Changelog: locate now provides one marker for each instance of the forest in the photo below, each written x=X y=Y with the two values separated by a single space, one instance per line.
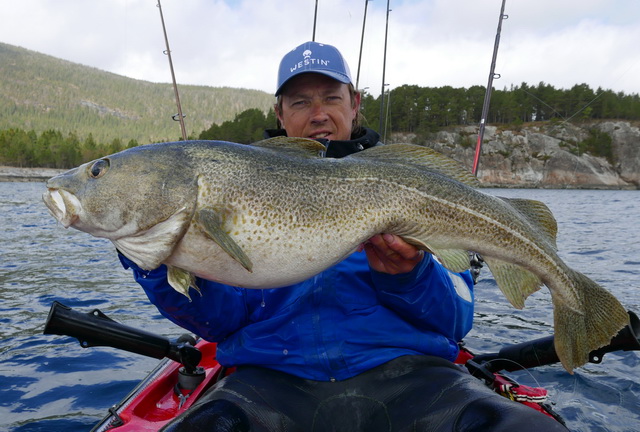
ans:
x=427 y=109
x=42 y=93
x=414 y=109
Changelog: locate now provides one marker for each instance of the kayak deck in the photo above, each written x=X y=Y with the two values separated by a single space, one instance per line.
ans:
x=155 y=401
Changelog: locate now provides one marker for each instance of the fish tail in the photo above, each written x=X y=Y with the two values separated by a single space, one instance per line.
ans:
x=579 y=331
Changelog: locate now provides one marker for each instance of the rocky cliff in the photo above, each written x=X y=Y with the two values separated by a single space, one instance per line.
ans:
x=600 y=155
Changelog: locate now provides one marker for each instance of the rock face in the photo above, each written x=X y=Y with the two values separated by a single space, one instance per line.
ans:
x=545 y=154
x=626 y=140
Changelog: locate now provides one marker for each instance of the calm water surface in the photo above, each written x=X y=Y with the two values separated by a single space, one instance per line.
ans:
x=49 y=383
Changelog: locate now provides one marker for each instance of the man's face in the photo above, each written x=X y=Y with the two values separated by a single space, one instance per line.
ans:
x=316 y=106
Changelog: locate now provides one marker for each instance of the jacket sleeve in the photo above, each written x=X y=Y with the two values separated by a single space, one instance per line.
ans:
x=214 y=314
x=430 y=297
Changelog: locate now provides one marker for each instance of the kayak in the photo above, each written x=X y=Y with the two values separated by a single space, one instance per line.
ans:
x=158 y=399
x=189 y=368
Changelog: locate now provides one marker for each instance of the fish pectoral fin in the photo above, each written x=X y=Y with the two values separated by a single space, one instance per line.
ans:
x=304 y=147
x=418 y=243
x=456 y=260
x=537 y=214
x=181 y=280
x=515 y=282
x=150 y=248
x=424 y=157
x=212 y=226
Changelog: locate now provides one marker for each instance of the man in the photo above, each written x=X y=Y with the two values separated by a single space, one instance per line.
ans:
x=366 y=345
x=324 y=105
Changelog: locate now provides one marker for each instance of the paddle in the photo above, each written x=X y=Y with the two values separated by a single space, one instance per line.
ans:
x=96 y=329
x=540 y=352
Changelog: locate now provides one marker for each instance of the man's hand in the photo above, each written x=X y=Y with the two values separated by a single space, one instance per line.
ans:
x=390 y=254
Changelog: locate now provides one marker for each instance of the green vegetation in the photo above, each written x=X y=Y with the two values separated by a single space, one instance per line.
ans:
x=599 y=143
x=425 y=109
x=247 y=127
x=51 y=149
x=41 y=93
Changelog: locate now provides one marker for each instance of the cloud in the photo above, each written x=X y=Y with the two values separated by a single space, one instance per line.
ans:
x=430 y=43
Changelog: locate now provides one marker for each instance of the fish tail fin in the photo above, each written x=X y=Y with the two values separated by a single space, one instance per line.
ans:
x=579 y=332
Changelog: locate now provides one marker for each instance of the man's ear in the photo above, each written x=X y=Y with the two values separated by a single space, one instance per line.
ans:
x=278 y=111
x=357 y=97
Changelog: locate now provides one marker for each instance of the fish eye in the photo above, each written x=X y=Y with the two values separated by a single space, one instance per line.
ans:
x=99 y=168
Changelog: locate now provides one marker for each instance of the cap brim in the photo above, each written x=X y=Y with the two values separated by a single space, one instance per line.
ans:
x=344 y=79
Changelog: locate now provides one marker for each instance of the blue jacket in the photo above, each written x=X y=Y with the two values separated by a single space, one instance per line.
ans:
x=342 y=322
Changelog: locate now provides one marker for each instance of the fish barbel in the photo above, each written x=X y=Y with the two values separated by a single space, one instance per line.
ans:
x=275 y=213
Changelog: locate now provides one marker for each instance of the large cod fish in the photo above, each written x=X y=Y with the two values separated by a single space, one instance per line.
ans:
x=275 y=213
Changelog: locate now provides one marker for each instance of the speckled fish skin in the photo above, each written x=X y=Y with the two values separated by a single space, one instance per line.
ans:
x=272 y=214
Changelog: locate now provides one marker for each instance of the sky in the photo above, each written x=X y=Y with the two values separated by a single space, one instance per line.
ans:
x=430 y=43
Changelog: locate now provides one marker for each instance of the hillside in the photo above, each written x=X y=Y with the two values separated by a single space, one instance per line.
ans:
x=39 y=92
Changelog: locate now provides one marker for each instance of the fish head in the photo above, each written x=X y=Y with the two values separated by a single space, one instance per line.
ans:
x=125 y=194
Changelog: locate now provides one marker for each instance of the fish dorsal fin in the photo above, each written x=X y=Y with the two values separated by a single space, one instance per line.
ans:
x=538 y=214
x=211 y=224
x=295 y=146
x=411 y=154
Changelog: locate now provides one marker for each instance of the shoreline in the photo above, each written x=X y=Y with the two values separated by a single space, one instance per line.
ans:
x=17 y=174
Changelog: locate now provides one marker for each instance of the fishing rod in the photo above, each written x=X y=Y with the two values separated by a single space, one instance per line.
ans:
x=315 y=18
x=364 y=21
x=177 y=117
x=487 y=95
x=384 y=66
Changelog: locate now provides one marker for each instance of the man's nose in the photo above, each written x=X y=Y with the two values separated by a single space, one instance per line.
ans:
x=318 y=112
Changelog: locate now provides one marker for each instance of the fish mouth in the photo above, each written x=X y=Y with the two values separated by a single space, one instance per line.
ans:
x=62 y=205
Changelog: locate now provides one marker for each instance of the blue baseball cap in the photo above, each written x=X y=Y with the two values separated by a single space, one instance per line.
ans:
x=313 y=57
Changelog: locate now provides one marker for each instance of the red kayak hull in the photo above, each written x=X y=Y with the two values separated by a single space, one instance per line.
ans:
x=155 y=402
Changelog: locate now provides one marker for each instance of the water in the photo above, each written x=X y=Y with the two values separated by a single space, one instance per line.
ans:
x=49 y=383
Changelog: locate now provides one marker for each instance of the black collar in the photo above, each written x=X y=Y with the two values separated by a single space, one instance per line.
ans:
x=361 y=139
